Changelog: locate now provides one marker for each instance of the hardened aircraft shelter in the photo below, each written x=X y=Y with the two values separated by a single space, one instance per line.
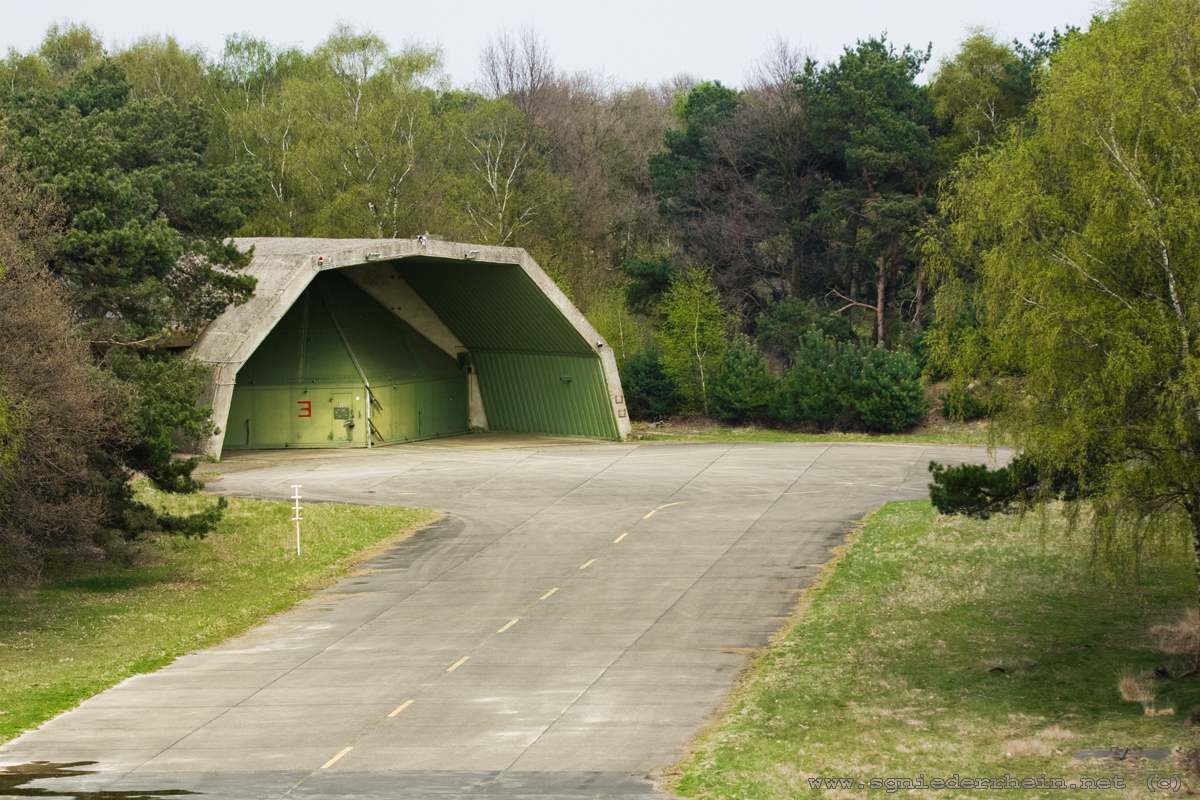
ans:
x=369 y=342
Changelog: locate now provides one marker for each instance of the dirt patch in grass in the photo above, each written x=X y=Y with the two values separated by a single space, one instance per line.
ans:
x=68 y=639
x=938 y=646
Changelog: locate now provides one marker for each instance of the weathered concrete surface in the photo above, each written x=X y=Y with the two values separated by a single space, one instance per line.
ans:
x=594 y=686
x=284 y=267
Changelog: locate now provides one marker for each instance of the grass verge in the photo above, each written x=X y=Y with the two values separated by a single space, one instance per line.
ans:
x=938 y=646
x=70 y=638
x=934 y=431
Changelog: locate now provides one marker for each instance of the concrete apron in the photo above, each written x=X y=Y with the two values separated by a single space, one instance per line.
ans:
x=568 y=628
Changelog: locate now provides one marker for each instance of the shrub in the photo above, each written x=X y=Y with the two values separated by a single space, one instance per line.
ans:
x=888 y=393
x=743 y=390
x=961 y=404
x=650 y=394
x=66 y=427
x=782 y=327
x=812 y=390
x=846 y=384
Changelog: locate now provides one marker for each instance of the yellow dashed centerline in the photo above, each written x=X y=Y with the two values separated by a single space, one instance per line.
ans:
x=457 y=664
x=547 y=594
x=589 y=563
x=403 y=706
x=619 y=538
x=660 y=508
x=334 y=760
x=509 y=625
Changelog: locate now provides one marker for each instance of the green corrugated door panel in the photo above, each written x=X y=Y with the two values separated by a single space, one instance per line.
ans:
x=443 y=407
x=325 y=356
x=317 y=416
x=295 y=416
x=492 y=306
x=404 y=412
x=420 y=410
x=535 y=393
x=387 y=347
x=305 y=346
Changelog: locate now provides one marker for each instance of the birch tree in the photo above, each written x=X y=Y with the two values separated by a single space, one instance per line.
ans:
x=1081 y=241
x=694 y=335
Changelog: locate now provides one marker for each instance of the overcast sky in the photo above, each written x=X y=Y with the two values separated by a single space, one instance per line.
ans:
x=644 y=41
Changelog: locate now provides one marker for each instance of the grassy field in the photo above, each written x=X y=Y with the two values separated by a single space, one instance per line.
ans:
x=938 y=646
x=70 y=638
x=935 y=429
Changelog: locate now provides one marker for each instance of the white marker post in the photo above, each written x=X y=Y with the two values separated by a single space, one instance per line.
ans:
x=296 y=518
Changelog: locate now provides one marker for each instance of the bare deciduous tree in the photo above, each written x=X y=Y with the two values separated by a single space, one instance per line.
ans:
x=517 y=67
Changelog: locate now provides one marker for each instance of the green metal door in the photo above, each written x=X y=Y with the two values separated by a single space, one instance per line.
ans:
x=343 y=417
x=303 y=386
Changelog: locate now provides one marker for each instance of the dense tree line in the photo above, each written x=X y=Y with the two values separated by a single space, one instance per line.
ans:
x=756 y=254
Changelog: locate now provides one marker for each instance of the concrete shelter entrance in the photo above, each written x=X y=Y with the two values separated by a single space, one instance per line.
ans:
x=362 y=342
x=341 y=370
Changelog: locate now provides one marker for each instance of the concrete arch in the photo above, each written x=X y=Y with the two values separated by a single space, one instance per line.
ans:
x=531 y=361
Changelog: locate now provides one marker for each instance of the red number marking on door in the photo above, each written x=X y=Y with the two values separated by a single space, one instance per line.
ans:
x=305 y=408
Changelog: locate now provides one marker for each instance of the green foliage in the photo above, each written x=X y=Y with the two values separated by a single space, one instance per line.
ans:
x=10 y=445
x=626 y=331
x=357 y=124
x=961 y=404
x=1077 y=241
x=676 y=173
x=650 y=394
x=736 y=184
x=978 y=93
x=693 y=337
x=23 y=73
x=359 y=139
x=978 y=491
x=504 y=186
x=781 y=328
x=744 y=387
x=164 y=396
x=70 y=47
x=873 y=125
x=144 y=248
x=650 y=277
x=840 y=384
x=814 y=389
x=157 y=67
x=974 y=489
x=147 y=219
x=889 y=393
